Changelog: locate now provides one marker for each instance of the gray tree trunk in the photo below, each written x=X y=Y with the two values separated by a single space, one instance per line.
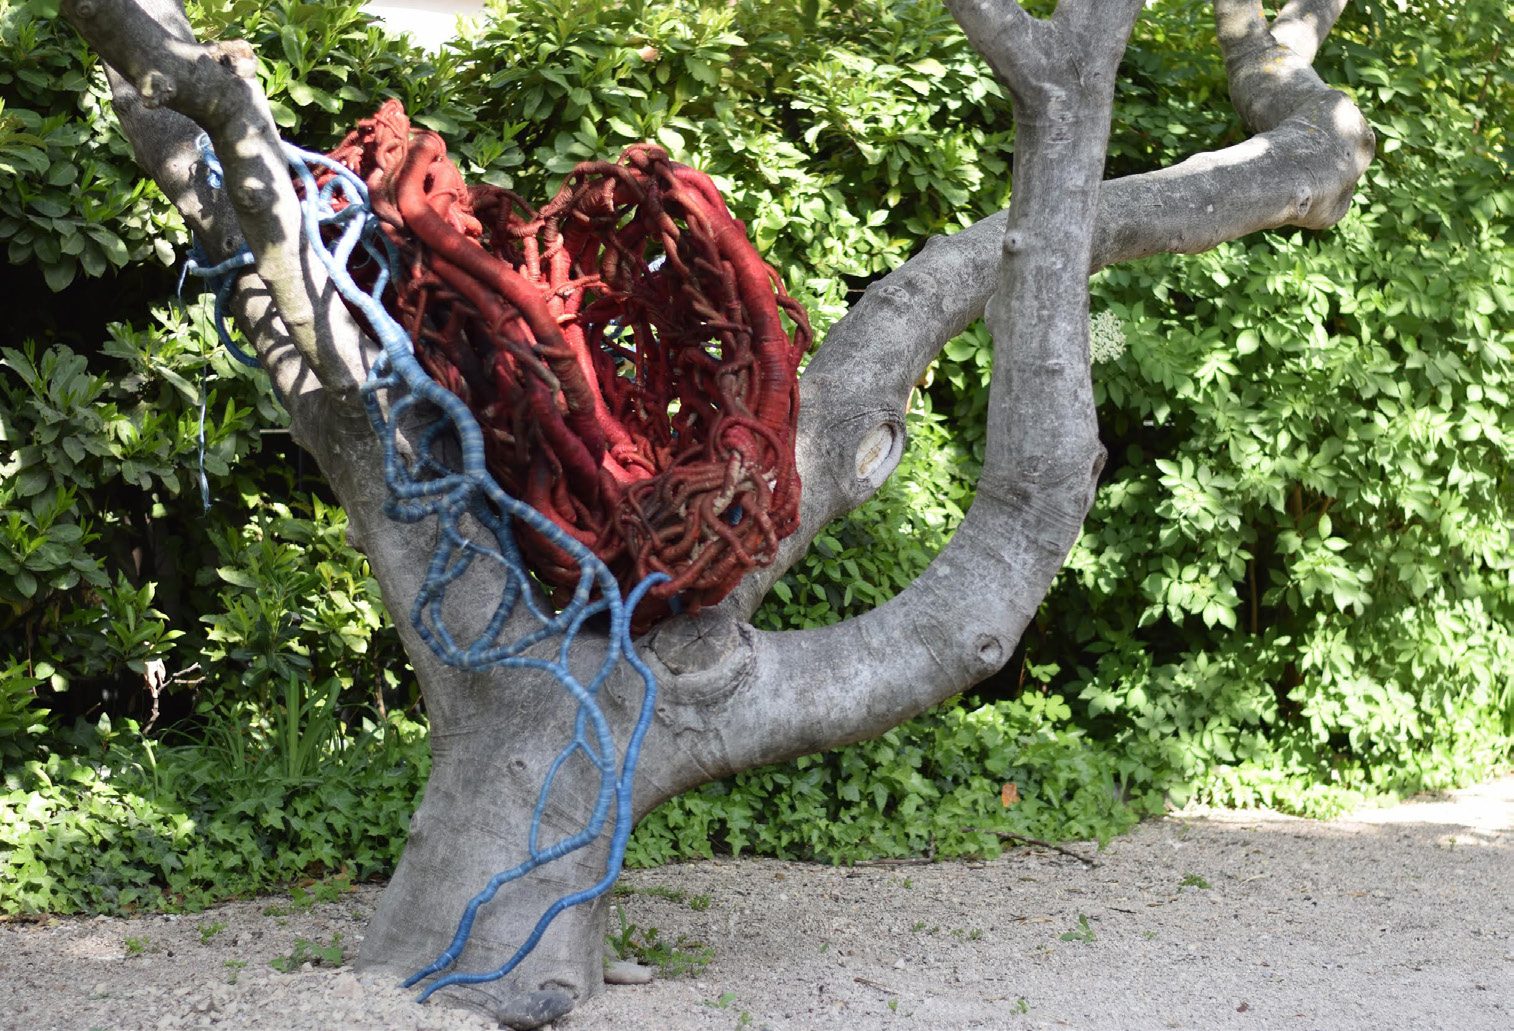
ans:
x=732 y=697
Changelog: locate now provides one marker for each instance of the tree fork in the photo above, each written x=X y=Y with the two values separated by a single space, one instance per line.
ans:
x=732 y=697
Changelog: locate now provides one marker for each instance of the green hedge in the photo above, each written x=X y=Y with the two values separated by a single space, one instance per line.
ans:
x=1294 y=587
x=120 y=822
x=1279 y=598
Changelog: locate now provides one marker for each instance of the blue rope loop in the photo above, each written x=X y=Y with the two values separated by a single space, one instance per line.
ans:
x=221 y=279
x=338 y=221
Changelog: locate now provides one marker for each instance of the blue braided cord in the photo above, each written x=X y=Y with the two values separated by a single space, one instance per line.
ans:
x=422 y=486
x=623 y=824
x=214 y=174
x=222 y=278
x=200 y=444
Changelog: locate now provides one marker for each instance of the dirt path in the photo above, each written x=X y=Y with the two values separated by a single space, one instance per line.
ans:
x=1393 y=918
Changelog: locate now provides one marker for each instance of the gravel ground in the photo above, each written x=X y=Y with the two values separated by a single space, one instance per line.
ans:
x=1392 y=918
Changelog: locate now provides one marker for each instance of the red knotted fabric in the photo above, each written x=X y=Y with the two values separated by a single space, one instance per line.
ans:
x=649 y=412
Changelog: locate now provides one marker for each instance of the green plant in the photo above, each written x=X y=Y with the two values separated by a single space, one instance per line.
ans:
x=661 y=892
x=312 y=952
x=210 y=929
x=1194 y=880
x=931 y=785
x=131 y=828
x=21 y=718
x=71 y=199
x=135 y=946
x=1293 y=588
x=679 y=958
x=330 y=890
x=234 y=968
x=698 y=903
x=95 y=588
x=1082 y=933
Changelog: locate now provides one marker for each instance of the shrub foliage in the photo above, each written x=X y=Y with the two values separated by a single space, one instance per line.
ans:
x=1294 y=588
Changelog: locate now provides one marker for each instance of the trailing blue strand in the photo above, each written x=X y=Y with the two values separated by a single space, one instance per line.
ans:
x=222 y=279
x=338 y=221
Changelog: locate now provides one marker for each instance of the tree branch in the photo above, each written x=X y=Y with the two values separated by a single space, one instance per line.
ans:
x=847 y=682
x=1267 y=80
x=1302 y=25
x=959 y=621
x=1301 y=169
x=158 y=64
x=1014 y=44
x=1301 y=172
x=150 y=43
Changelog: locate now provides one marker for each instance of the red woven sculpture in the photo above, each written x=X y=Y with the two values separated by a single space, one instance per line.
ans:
x=649 y=413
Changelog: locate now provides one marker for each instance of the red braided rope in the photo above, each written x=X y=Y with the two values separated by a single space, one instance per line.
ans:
x=649 y=413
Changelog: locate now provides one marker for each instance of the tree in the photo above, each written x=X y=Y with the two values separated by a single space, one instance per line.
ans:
x=732 y=697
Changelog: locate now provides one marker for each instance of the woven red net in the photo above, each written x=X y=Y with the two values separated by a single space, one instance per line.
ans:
x=649 y=412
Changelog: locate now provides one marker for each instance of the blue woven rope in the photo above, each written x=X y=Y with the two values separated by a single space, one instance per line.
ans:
x=423 y=486
x=222 y=279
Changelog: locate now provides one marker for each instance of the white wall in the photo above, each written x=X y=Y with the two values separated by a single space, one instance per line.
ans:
x=430 y=22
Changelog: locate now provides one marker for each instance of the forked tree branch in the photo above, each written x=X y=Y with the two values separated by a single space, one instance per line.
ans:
x=1302 y=25
x=866 y=674
x=753 y=697
x=960 y=619
x=1301 y=171
x=1019 y=48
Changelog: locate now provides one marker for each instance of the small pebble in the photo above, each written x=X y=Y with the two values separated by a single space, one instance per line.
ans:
x=530 y=1010
x=623 y=971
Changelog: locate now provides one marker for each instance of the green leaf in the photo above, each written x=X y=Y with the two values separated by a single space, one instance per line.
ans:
x=237 y=577
x=59 y=275
x=293 y=42
x=672 y=139
x=179 y=383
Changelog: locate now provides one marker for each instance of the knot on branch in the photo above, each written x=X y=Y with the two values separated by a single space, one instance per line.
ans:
x=990 y=653
x=156 y=88
x=879 y=452
x=708 y=656
x=236 y=56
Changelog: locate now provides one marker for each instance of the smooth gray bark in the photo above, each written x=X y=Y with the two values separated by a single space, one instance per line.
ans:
x=732 y=697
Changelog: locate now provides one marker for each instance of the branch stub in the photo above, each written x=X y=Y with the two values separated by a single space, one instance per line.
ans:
x=879 y=452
